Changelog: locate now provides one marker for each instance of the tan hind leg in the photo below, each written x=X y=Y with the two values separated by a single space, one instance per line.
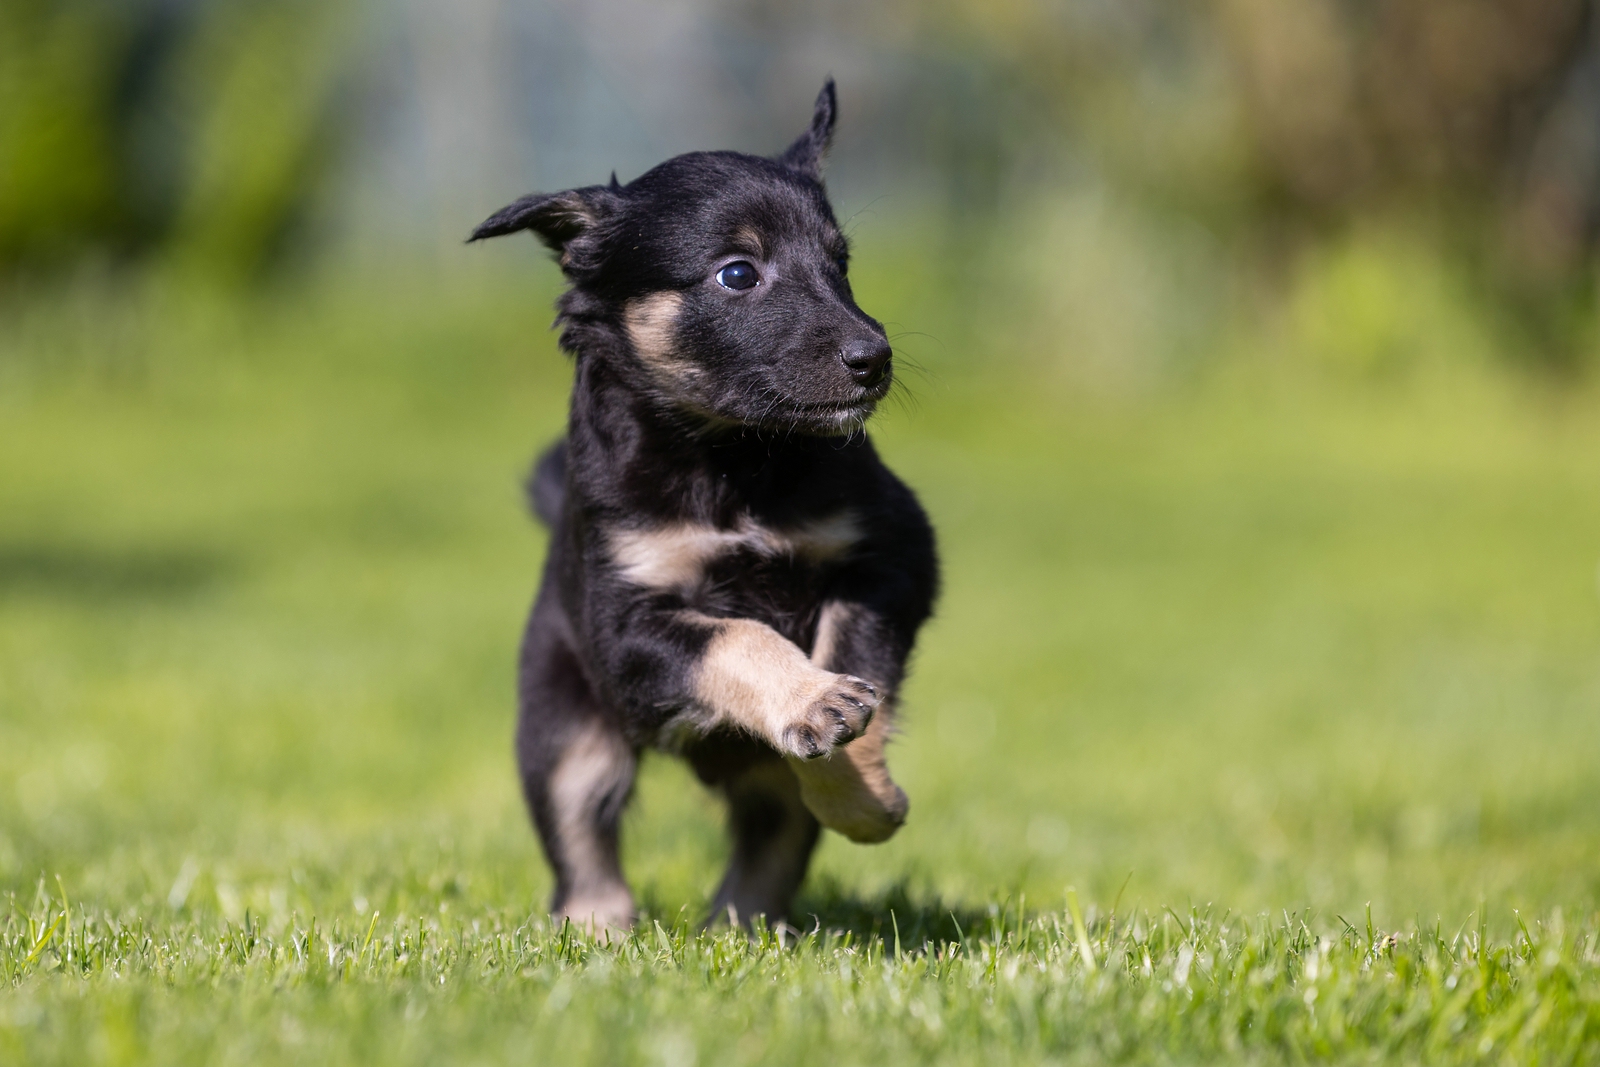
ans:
x=850 y=790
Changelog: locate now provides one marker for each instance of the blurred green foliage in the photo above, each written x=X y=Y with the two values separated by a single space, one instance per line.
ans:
x=59 y=185
x=1293 y=129
x=1218 y=155
x=198 y=132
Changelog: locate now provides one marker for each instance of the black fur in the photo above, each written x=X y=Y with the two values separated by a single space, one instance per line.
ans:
x=694 y=403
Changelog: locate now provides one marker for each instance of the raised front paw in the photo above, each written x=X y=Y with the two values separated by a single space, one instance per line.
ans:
x=839 y=712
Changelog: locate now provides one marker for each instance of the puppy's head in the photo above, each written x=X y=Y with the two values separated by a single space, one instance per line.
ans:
x=725 y=278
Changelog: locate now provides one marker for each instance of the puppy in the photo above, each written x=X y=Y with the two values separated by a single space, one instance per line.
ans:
x=733 y=574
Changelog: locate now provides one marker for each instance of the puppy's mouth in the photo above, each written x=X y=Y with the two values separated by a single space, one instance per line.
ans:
x=832 y=416
x=862 y=403
x=835 y=407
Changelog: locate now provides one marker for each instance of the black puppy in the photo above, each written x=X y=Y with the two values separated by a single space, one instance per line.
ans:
x=733 y=574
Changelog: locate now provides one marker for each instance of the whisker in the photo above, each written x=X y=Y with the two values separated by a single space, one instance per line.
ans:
x=916 y=333
x=849 y=223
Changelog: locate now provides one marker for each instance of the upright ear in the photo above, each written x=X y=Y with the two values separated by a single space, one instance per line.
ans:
x=558 y=218
x=805 y=155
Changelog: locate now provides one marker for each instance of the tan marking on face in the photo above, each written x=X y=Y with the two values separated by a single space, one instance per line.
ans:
x=675 y=556
x=596 y=765
x=652 y=325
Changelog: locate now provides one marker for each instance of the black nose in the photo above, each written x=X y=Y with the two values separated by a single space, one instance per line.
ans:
x=866 y=359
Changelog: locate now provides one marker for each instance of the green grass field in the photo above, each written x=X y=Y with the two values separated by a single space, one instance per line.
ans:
x=1297 y=685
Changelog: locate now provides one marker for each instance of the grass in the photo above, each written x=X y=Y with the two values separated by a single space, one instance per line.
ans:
x=1015 y=990
x=1295 y=683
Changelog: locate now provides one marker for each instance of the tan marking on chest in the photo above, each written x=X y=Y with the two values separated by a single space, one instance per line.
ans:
x=676 y=556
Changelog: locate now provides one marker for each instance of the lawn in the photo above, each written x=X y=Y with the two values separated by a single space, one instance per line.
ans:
x=1294 y=681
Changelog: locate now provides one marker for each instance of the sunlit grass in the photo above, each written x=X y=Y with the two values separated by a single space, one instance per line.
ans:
x=1249 y=659
x=1010 y=987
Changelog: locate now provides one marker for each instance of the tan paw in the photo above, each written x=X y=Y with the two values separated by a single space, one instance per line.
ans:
x=604 y=913
x=838 y=713
x=851 y=792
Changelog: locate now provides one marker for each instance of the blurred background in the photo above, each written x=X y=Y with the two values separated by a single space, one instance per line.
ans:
x=1113 y=181
x=1248 y=353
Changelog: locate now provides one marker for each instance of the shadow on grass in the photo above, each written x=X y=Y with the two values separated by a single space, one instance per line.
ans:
x=918 y=920
x=76 y=573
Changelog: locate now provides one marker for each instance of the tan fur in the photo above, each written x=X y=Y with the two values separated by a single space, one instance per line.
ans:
x=753 y=678
x=850 y=790
x=830 y=620
x=667 y=557
x=675 y=556
x=601 y=914
x=596 y=763
x=652 y=323
x=748 y=239
x=828 y=538
x=573 y=210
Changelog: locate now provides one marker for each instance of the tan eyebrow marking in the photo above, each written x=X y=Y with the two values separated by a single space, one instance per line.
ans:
x=675 y=556
x=748 y=239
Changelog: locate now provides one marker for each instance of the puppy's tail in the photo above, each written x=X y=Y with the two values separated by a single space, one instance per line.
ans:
x=547 y=484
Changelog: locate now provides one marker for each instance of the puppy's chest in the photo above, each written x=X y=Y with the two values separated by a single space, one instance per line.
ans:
x=745 y=559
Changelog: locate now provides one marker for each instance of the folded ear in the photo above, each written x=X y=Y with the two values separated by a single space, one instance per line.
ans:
x=805 y=155
x=558 y=218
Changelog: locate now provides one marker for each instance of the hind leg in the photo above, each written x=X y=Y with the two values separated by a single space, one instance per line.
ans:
x=773 y=833
x=577 y=774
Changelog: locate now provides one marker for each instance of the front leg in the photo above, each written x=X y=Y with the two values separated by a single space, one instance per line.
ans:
x=671 y=667
x=758 y=681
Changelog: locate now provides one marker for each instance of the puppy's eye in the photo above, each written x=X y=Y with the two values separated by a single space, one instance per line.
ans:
x=738 y=276
x=843 y=263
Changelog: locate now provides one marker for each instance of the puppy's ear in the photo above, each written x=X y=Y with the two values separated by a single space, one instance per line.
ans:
x=805 y=155
x=558 y=218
